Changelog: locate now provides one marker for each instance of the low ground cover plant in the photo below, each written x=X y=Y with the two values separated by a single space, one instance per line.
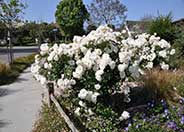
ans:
x=158 y=116
x=50 y=121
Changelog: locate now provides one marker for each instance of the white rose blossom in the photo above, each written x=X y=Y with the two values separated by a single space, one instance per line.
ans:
x=100 y=52
x=124 y=116
x=97 y=86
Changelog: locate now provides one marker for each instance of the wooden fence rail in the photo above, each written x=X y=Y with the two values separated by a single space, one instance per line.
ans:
x=51 y=99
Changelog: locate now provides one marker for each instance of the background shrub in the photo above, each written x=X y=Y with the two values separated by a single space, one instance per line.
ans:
x=164 y=28
x=178 y=59
x=4 y=73
x=9 y=73
x=4 y=69
x=163 y=84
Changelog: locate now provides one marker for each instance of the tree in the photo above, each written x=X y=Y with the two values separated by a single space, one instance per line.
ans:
x=32 y=31
x=70 y=16
x=164 y=27
x=10 y=12
x=3 y=30
x=111 y=12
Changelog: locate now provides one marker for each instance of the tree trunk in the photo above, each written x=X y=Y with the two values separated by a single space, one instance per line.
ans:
x=10 y=56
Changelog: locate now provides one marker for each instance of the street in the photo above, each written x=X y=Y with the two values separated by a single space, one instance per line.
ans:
x=18 y=52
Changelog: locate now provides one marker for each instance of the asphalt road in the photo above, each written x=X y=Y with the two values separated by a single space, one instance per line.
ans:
x=18 y=52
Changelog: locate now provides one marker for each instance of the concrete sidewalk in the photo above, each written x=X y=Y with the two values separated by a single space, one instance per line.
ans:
x=20 y=103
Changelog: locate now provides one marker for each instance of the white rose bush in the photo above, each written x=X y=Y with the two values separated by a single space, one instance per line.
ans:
x=94 y=67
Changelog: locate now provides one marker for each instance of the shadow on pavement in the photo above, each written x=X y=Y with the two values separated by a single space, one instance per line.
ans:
x=20 y=79
x=3 y=123
x=6 y=91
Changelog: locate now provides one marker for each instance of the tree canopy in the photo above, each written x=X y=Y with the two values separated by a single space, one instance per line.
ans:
x=71 y=15
x=111 y=12
x=10 y=12
x=164 y=28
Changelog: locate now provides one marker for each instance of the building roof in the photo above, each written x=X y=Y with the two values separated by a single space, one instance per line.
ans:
x=179 y=21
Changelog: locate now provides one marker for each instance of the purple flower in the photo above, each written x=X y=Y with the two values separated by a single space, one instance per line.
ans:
x=180 y=111
x=152 y=105
x=164 y=103
x=172 y=125
x=137 y=126
x=126 y=129
x=158 y=122
x=181 y=100
x=182 y=119
x=129 y=124
x=149 y=104
x=166 y=111
x=164 y=115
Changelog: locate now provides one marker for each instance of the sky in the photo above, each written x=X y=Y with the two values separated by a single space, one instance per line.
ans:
x=44 y=10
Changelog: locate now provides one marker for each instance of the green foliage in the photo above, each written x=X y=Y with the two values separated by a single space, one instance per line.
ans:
x=10 y=12
x=90 y=27
x=105 y=111
x=148 y=127
x=70 y=15
x=50 y=121
x=105 y=118
x=30 y=31
x=164 y=28
x=55 y=71
x=177 y=60
x=100 y=124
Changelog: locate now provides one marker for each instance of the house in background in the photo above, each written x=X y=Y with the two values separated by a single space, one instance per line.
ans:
x=179 y=22
x=143 y=26
x=138 y=26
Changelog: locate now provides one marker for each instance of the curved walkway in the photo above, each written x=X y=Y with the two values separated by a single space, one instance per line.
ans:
x=20 y=103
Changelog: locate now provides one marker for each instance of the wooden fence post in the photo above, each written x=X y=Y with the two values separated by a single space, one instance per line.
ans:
x=50 y=90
